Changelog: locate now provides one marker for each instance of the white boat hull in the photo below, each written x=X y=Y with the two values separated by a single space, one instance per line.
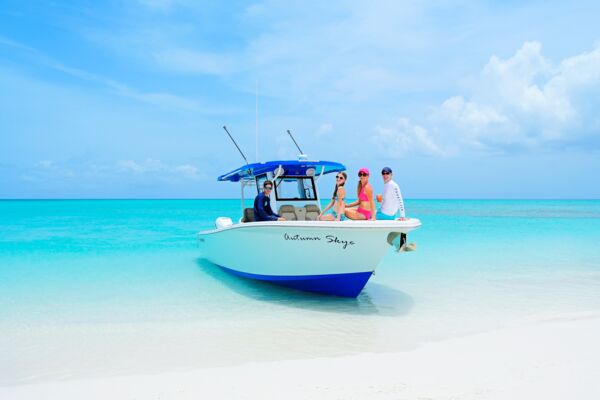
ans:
x=323 y=256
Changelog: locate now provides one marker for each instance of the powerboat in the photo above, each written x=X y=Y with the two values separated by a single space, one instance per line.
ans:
x=331 y=257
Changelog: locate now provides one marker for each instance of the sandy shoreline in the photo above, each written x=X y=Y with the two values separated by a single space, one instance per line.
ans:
x=552 y=360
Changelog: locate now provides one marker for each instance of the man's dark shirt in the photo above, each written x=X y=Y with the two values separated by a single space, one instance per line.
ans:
x=262 y=208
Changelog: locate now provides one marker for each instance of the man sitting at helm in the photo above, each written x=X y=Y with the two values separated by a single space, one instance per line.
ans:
x=262 y=205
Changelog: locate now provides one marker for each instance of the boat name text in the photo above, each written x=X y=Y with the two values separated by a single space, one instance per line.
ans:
x=328 y=239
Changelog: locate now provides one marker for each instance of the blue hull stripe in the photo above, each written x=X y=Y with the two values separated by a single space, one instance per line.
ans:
x=346 y=285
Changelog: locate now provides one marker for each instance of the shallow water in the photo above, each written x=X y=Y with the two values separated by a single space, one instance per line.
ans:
x=91 y=288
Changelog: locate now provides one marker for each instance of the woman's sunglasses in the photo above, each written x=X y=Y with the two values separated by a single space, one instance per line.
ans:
x=268 y=187
x=363 y=174
x=339 y=177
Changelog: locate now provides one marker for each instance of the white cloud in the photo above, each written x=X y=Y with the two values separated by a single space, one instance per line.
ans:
x=132 y=166
x=168 y=5
x=520 y=84
x=525 y=101
x=189 y=171
x=158 y=99
x=157 y=168
x=45 y=164
x=470 y=114
x=47 y=168
x=157 y=4
x=284 y=148
x=149 y=168
x=362 y=58
x=405 y=138
x=192 y=61
x=325 y=129
x=11 y=43
x=332 y=52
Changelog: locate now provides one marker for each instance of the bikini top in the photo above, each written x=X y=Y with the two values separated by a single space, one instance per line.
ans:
x=362 y=196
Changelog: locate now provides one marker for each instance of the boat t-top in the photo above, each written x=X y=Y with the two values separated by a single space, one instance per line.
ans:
x=302 y=252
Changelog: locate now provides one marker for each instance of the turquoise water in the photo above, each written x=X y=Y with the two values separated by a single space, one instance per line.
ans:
x=94 y=288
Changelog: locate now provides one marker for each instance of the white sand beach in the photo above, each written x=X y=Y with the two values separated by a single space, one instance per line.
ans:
x=554 y=359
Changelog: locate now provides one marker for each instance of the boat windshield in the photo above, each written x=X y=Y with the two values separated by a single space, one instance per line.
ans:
x=290 y=188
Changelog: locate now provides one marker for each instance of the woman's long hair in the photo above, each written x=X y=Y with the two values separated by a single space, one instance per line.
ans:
x=359 y=188
x=336 y=185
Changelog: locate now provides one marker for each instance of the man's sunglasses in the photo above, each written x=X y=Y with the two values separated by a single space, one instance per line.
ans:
x=268 y=187
x=363 y=174
x=385 y=173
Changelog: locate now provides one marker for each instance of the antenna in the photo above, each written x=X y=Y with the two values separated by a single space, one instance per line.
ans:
x=256 y=120
x=236 y=145
x=299 y=149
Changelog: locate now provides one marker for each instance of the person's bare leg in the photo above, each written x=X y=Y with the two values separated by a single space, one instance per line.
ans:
x=352 y=213
x=326 y=217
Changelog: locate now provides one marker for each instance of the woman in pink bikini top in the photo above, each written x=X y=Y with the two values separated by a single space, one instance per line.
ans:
x=365 y=202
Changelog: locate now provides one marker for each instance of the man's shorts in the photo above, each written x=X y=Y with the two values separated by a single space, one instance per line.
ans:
x=384 y=217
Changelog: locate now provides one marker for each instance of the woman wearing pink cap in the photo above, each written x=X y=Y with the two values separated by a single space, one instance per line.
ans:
x=365 y=202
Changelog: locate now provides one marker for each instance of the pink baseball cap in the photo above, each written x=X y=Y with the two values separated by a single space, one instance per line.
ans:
x=364 y=170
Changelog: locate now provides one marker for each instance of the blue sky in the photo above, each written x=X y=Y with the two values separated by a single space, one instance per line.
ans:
x=126 y=99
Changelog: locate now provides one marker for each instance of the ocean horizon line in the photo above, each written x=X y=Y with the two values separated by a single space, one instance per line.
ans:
x=322 y=199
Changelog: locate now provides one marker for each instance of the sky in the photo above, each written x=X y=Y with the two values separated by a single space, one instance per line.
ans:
x=462 y=99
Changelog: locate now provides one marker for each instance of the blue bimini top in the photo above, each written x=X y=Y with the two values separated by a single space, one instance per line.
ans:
x=290 y=168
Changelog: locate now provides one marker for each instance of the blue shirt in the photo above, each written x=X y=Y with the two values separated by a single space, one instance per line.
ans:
x=262 y=208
